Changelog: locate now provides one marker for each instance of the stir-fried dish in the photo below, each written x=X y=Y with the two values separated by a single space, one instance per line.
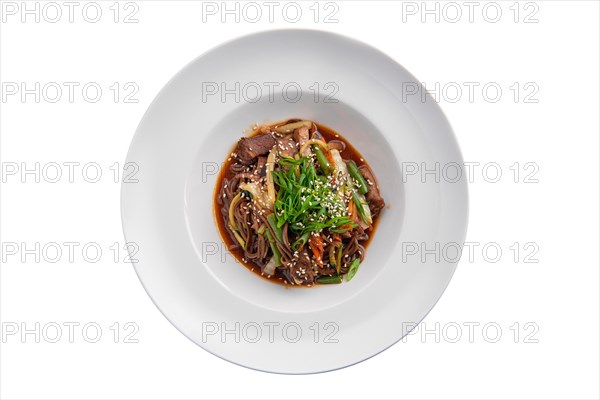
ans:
x=297 y=203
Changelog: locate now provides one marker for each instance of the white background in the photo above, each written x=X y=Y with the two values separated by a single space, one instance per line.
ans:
x=556 y=355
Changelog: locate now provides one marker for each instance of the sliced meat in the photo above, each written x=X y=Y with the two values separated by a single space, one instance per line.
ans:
x=260 y=166
x=301 y=136
x=347 y=235
x=286 y=146
x=326 y=271
x=302 y=270
x=250 y=148
x=376 y=202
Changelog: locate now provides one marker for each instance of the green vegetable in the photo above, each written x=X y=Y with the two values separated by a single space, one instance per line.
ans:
x=276 y=227
x=289 y=161
x=319 y=142
x=329 y=279
x=232 y=225
x=306 y=201
x=276 y=252
x=338 y=163
x=359 y=206
x=357 y=176
x=338 y=261
x=323 y=161
x=241 y=241
x=301 y=241
x=353 y=268
x=332 y=255
x=366 y=209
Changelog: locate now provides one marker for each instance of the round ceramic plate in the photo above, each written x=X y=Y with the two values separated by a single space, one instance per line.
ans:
x=189 y=130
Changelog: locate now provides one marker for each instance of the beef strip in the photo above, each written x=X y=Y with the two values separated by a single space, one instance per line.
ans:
x=260 y=166
x=286 y=146
x=376 y=202
x=249 y=148
x=326 y=271
x=301 y=136
x=302 y=270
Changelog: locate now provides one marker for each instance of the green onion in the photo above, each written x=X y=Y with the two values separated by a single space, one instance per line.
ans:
x=353 y=268
x=277 y=229
x=301 y=241
x=323 y=161
x=310 y=142
x=359 y=207
x=338 y=262
x=232 y=225
x=332 y=255
x=357 y=176
x=329 y=279
x=241 y=241
x=289 y=161
x=306 y=204
x=276 y=252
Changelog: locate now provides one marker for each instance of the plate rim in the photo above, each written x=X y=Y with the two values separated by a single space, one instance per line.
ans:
x=138 y=134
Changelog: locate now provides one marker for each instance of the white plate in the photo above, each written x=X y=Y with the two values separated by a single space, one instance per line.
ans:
x=188 y=131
